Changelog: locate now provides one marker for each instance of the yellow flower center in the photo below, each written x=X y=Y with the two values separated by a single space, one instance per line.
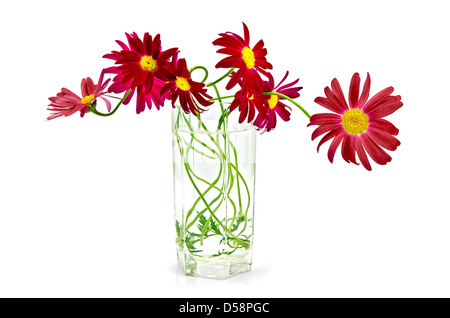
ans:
x=183 y=83
x=148 y=63
x=88 y=99
x=355 y=121
x=273 y=101
x=251 y=97
x=248 y=57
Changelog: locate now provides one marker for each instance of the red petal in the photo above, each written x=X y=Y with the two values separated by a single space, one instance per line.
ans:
x=375 y=152
x=386 y=141
x=362 y=154
x=334 y=145
x=324 y=118
x=353 y=94
x=246 y=34
x=377 y=98
x=228 y=62
x=384 y=125
x=337 y=90
x=365 y=93
x=281 y=110
x=386 y=136
x=348 y=149
x=325 y=102
x=140 y=103
x=335 y=100
x=323 y=129
x=385 y=109
x=327 y=137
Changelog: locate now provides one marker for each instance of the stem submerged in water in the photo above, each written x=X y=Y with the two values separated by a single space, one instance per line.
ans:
x=208 y=216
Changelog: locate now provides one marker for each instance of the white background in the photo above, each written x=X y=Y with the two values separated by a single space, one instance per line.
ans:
x=86 y=203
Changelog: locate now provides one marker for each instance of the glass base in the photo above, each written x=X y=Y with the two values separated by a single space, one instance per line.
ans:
x=220 y=267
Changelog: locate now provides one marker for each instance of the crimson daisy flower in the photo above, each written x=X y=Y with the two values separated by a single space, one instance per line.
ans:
x=247 y=105
x=142 y=65
x=359 y=126
x=66 y=102
x=276 y=106
x=183 y=88
x=249 y=61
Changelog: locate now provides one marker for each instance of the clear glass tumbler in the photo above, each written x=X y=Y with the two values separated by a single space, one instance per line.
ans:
x=214 y=185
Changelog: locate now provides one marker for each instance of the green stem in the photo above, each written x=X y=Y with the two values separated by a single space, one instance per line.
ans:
x=239 y=175
x=210 y=185
x=220 y=79
x=225 y=112
x=187 y=165
x=196 y=139
x=238 y=240
x=202 y=68
x=218 y=97
x=228 y=143
x=188 y=168
x=96 y=112
x=189 y=146
x=200 y=152
x=289 y=99
x=237 y=179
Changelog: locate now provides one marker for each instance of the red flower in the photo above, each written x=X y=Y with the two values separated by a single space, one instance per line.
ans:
x=276 y=106
x=360 y=127
x=67 y=103
x=188 y=92
x=143 y=67
x=248 y=105
x=249 y=62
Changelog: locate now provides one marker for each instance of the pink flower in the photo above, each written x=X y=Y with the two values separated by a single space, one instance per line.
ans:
x=359 y=125
x=276 y=105
x=66 y=103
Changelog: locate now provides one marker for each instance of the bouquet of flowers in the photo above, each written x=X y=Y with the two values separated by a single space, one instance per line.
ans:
x=214 y=136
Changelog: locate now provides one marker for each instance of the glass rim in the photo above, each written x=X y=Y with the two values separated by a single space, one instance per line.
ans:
x=242 y=128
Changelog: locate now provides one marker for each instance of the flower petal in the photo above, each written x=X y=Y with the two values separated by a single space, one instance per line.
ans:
x=348 y=149
x=325 y=102
x=334 y=145
x=353 y=94
x=107 y=102
x=246 y=35
x=375 y=152
x=328 y=136
x=377 y=98
x=337 y=90
x=324 y=118
x=362 y=154
x=365 y=93
x=335 y=100
x=384 y=140
x=323 y=129
x=384 y=125
x=385 y=109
